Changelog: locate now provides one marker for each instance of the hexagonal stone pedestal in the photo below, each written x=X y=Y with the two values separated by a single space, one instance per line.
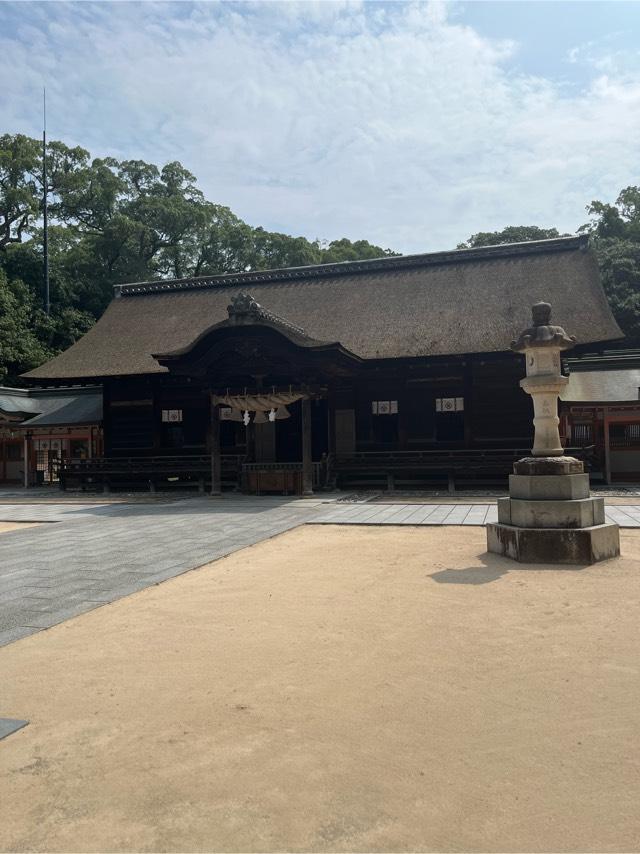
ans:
x=550 y=517
x=551 y=513
x=554 y=545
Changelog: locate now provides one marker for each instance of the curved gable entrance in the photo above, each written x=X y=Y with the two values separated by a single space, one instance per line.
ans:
x=266 y=382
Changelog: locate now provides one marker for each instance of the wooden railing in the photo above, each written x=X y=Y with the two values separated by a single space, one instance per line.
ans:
x=384 y=468
x=120 y=472
x=378 y=466
x=319 y=469
x=158 y=471
x=446 y=458
x=624 y=443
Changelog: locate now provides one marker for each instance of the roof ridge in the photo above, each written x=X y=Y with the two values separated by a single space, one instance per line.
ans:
x=340 y=268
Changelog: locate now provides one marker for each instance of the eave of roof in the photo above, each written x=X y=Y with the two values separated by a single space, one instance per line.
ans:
x=602 y=386
x=64 y=406
x=608 y=360
x=74 y=411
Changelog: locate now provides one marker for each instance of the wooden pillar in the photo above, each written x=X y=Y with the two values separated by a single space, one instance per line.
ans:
x=216 y=457
x=106 y=420
x=607 y=449
x=468 y=404
x=26 y=460
x=307 y=461
x=251 y=442
x=331 y=422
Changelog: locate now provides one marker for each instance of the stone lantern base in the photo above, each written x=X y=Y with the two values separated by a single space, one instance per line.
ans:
x=550 y=517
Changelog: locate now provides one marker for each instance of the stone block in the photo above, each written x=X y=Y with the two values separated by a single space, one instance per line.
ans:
x=554 y=545
x=572 y=513
x=549 y=487
x=504 y=510
x=548 y=466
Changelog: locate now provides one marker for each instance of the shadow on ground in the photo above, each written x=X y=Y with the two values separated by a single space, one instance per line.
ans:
x=494 y=568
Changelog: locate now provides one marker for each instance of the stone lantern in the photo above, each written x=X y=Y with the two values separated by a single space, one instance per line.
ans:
x=541 y=345
x=549 y=516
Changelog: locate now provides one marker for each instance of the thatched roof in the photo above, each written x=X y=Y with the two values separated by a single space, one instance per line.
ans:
x=466 y=301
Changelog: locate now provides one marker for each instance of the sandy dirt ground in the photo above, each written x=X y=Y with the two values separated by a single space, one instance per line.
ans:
x=336 y=689
x=12 y=526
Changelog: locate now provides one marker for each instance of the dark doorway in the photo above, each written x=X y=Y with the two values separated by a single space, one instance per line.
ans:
x=289 y=436
x=319 y=428
x=289 y=433
x=449 y=419
x=449 y=426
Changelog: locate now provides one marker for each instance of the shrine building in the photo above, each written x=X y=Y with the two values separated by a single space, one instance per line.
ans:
x=395 y=372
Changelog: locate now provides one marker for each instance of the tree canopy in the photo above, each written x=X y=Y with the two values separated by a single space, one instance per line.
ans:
x=116 y=221
x=615 y=235
x=511 y=234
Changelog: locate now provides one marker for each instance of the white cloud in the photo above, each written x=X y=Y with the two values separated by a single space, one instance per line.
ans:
x=389 y=122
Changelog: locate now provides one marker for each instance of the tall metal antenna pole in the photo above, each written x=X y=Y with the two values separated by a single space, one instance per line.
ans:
x=45 y=211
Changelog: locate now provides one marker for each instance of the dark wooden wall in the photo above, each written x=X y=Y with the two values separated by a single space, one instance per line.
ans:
x=497 y=413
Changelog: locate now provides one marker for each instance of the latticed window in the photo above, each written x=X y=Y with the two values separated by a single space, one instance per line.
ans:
x=624 y=435
x=582 y=433
x=633 y=431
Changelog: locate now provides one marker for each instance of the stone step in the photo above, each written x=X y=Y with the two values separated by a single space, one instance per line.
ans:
x=554 y=545
x=549 y=487
x=572 y=513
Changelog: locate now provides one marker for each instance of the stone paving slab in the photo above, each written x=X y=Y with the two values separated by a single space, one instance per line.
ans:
x=56 y=571
x=50 y=512
x=627 y=516
x=10 y=725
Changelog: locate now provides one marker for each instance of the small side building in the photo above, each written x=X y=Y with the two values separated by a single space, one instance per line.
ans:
x=600 y=407
x=42 y=427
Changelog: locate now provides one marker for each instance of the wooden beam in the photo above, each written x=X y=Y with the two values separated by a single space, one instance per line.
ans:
x=607 y=449
x=307 y=461
x=26 y=460
x=468 y=405
x=214 y=448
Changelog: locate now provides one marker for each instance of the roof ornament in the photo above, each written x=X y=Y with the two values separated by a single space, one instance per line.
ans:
x=542 y=333
x=244 y=307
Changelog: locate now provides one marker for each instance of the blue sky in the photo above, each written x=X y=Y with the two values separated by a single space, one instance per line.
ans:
x=412 y=125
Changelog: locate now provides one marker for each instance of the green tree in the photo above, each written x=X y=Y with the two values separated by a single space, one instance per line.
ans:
x=271 y=250
x=219 y=243
x=511 y=234
x=345 y=250
x=615 y=235
x=20 y=346
x=20 y=162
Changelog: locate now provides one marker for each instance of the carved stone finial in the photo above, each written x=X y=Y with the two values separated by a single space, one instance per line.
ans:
x=243 y=305
x=541 y=313
x=542 y=333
